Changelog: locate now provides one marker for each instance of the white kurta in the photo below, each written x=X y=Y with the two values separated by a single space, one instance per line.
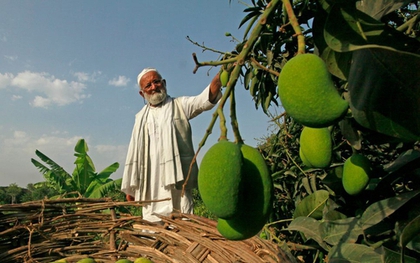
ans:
x=154 y=187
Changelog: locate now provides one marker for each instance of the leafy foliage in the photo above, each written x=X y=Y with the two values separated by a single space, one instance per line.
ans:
x=372 y=51
x=38 y=192
x=84 y=180
x=13 y=191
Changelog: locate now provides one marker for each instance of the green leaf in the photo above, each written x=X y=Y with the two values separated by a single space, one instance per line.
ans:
x=411 y=230
x=373 y=258
x=99 y=189
x=253 y=16
x=53 y=165
x=379 y=8
x=42 y=168
x=351 y=133
x=81 y=146
x=341 y=231
x=388 y=255
x=84 y=179
x=384 y=93
x=105 y=173
x=348 y=252
x=348 y=29
x=414 y=244
x=333 y=215
x=380 y=210
x=312 y=205
x=406 y=163
x=310 y=228
x=248 y=77
x=338 y=63
x=55 y=175
x=402 y=160
x=333 y=179
x=84 y=172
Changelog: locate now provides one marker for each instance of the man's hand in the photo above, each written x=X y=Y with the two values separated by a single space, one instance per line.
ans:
x=215 y=87
x=129 y=198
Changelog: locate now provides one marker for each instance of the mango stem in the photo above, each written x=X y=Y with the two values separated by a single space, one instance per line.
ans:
x=296 y=27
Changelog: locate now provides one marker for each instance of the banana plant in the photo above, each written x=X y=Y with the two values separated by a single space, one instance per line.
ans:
x=84 y=180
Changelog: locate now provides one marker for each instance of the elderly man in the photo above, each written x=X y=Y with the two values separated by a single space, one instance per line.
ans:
x=161 y=150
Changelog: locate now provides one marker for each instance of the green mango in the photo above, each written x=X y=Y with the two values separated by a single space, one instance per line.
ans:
x=219 y=179
x=224 y=78
x=143 y=260
x=315 y=147
x=356 y=173
x=87 y=260
x=308 y=94
x=257 y=205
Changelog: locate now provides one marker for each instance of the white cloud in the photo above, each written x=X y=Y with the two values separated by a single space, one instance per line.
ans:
x=121 y=81
x=16 y=97
x=21 y=140
x=121 y=150
x=40 y=102
x=49 y=90
x=111 y=154
x=5 y=80
x=87 y=77
x=17 y=149
x=11 y=58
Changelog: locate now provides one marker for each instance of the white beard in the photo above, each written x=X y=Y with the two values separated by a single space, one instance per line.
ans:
x=155 y=98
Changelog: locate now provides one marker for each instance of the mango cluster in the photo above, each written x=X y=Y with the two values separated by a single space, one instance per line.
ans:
x=235 y=185
x=308 y=95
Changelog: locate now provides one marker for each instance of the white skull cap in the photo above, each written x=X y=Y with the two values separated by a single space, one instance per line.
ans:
x=143 y=72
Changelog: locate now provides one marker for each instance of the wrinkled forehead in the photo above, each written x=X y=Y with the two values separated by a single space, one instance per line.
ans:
x=143 y=72
x=149 y=76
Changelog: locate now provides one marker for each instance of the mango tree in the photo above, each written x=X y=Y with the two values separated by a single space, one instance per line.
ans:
x=371 y=51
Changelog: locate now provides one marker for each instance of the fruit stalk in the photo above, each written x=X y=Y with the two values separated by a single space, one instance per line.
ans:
x=223 y=129
x=234 y=75
x=233 y=120
x=296 y=27
x=238 y=62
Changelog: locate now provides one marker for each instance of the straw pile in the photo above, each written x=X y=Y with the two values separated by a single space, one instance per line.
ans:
x=48 y=230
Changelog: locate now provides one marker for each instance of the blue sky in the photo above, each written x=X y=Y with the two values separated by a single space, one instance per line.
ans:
x=68 y=71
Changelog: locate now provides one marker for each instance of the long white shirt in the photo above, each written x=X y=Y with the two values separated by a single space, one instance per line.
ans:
x=155 y=185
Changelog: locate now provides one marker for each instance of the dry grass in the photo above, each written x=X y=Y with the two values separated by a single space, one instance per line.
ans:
x=48 y=230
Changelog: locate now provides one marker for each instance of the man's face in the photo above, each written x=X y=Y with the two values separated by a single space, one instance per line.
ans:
x=153 y=88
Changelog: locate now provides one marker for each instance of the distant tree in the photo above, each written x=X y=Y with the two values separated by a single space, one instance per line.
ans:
x=3 y=196
x=38 y=191
x=13 y=191
x=84 y=180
